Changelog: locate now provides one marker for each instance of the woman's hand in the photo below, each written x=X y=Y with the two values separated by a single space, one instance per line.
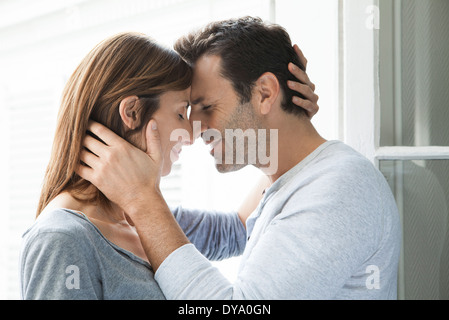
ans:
x=124 y=173
x=304 y=86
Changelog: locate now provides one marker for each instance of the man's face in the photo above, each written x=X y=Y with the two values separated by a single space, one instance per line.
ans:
x=216 y=104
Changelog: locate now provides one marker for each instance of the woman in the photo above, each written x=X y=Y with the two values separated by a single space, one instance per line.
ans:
x=82 y=246
x=122 y=83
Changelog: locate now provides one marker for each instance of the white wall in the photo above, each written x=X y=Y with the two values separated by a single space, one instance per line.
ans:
x=361 y=119
x=313 y=25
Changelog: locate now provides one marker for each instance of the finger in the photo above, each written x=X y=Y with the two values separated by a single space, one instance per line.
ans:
x=312 y=86
x=303 y=89
x=298 y=73
x=305 y=104
x=154 y=149
x=89 y=158
x=95 y=146
x=105 y=134
x=300 y=55
x=85 y=172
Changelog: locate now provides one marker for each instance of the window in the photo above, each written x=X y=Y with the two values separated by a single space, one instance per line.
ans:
x=414 y=122
x=43 y=41
x=395 y=104
x=422 y=196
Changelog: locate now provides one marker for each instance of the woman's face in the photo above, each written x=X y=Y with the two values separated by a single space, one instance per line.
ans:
x=173 y=125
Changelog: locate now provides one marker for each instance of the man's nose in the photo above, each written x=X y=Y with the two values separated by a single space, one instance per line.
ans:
x=188 y=139
x=198 y=124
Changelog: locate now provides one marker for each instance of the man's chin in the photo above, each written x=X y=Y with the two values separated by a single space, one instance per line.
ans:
x=226 y=168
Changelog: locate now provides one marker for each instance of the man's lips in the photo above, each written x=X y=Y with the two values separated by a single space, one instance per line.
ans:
x=177 y=151
x=212 y=144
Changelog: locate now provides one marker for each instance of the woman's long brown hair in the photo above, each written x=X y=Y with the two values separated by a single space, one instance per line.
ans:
x=127 y=64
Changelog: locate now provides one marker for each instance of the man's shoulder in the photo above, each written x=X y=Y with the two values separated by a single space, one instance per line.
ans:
x=340 y=155
x=339 y=174
x=338 y=163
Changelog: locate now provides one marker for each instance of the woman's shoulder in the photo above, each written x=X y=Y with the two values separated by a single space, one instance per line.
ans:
x=55 y=251
x=61 y=224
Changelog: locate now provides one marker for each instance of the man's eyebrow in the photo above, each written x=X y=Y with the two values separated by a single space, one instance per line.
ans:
x=198 y=100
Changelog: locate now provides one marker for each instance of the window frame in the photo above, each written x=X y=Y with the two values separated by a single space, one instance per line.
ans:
x=365 y=109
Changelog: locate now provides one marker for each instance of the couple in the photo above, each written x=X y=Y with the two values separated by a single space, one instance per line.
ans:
x=324 y=225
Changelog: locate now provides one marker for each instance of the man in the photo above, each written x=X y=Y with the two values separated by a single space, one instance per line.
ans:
x=326 y=228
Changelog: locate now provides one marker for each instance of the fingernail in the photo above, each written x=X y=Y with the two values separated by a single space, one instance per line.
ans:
x=292 y=66
x=154 y=125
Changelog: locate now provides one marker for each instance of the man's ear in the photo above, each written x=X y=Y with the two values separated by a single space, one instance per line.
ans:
x=129 y=110
x=269 y=89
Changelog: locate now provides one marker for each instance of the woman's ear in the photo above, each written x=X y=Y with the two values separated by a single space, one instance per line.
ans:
x=269 y=89
x=129 y=110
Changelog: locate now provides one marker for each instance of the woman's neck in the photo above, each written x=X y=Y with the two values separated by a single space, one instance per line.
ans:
x=111 y=221
x=110 y=213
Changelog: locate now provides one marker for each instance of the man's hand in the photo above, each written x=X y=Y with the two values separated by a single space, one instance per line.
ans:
x=125 y=174
x=304 y=86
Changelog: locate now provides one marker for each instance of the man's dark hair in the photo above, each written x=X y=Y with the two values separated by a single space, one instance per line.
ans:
x=248 y=48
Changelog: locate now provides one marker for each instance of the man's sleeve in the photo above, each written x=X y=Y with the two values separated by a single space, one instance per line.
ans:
x=303 y=255
x=217 y=235
x=54 y=268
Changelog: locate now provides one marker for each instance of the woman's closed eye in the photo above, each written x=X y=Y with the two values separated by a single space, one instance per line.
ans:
x=184 y=115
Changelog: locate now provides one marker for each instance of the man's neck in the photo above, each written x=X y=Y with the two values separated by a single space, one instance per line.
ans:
x=297 y=138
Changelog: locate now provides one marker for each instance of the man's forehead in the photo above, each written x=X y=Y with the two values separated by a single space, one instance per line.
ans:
x=207 y=78
x=207 y=64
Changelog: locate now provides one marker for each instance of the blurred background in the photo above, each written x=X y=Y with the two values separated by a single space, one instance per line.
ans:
x=380 y=67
